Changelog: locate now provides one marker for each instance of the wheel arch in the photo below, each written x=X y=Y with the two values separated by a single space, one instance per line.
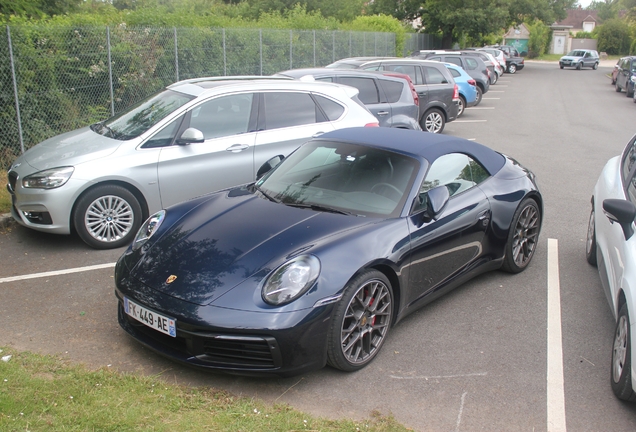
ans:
x=132 y=189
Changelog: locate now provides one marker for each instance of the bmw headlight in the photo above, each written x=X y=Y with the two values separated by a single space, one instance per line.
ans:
x=291 y=280
x=48 y=179
x=148 y=228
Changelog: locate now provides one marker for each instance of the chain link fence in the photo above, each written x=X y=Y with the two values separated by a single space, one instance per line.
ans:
x=56 y=79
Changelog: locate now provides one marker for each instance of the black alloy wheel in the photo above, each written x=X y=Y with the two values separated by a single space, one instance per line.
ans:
x=360 y=322
x=523 y=237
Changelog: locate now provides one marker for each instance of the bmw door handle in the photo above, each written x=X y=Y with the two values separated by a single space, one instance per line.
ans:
x=237 y=148
x=317 y=134
x=383 y=113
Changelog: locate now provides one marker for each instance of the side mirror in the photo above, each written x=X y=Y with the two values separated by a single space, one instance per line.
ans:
x=269 y=165
x=622 y=212
x=191 y=136
x=437 y=199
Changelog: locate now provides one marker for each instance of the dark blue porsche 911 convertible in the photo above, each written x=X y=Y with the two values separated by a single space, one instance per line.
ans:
x=316 y=261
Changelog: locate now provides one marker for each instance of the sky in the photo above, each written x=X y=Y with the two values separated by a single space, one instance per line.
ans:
x=585 y=3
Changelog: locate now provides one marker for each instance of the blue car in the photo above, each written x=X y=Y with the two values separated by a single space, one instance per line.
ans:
x=315 y=262
x=468 y=94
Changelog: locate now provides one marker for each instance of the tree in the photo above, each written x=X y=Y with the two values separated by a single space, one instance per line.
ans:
x=606 y=9
x=614 y=37
x=37 y=8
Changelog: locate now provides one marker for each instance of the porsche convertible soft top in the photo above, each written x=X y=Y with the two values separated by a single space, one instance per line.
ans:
x=417 y=143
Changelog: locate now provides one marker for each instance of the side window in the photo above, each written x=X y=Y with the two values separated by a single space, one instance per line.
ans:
x=285 y=109
x=471 y=64
x=325 y=79
x=454 y=72
x=434 y=76
x=392 y=89
x=454 y=60
x=631 y=190
x=223 y=116
x=368 y=90
x=411 y=71
x=333 y=110
x=628 y=161
x=165 y=136
x=456 y=171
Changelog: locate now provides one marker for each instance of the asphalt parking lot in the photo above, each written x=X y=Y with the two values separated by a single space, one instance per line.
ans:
x=477 y=359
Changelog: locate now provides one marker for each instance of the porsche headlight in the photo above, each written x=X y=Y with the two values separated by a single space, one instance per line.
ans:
x=148 y=228
x=48 y=179
x=291 y=280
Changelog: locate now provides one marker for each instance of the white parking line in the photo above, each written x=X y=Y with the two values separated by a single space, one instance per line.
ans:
x=470 y=121
x=476 y=108
x=56 y=273
x=555 y=390
x=496 y=91
x=485 y=98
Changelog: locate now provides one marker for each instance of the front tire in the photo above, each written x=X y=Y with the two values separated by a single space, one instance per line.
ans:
x=595 y=66
x=523 y=237
x=561 y=65
x=107 y=217
x=578 y=66
x=512 y=68
x=361 y=322
x=590 y=242
x=433 y=121
x=617 y=87
x=621 y=376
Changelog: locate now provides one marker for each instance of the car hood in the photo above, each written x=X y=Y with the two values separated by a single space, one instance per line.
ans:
x=70 y=149
x=226 y=240
x=571 y=58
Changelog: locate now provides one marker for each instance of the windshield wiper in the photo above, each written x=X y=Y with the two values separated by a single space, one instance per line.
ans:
x=269 y=197
x=319 y=207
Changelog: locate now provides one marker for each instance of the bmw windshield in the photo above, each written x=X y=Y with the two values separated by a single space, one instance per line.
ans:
x=141 y=117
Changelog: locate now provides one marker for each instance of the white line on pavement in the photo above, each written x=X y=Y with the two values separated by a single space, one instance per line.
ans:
x=56 y=273
x=485 y=98
x=470 y=121
x=556 y=393
x=476 y=108
x=438 y=376
x=496 y=91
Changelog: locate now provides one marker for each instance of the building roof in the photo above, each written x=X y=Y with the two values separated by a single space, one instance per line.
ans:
x=576 y=18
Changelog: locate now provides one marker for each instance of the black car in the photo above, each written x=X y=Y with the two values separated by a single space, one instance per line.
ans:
x=514 y=61
x=438 y=94
x=473 y=65
x=625 y=70
x=315 y=262
x=389 y=98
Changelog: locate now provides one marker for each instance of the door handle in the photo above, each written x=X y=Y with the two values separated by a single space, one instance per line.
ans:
x=237 y=148
x=383 y=113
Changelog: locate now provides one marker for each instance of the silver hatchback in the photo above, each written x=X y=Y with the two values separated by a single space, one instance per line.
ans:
x=193 y=137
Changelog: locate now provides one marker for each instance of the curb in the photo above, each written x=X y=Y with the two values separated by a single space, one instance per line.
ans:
x=5 y=220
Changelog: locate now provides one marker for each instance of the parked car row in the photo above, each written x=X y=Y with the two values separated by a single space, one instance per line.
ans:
x=624 y=75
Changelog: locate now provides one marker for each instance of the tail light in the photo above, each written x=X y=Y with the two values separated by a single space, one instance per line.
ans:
x=376 y=124
x=456 y=92
x=416 y=98
x=472 y=82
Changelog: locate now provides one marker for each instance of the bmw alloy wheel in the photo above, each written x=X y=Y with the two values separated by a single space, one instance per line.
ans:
x=109 y=218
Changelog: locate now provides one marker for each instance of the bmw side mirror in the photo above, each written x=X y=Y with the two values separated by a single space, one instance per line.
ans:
x=191 y=136
x=622 y=212
x=269 y=165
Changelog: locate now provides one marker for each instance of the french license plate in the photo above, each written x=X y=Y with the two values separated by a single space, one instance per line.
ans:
x=150 y=318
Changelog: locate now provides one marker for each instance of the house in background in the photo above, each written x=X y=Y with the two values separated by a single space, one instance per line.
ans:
x=518 y=38
x=563 y=32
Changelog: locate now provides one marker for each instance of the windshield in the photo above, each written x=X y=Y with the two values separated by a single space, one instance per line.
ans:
x=141 y=117
x=576 y=53
x=342 y=177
